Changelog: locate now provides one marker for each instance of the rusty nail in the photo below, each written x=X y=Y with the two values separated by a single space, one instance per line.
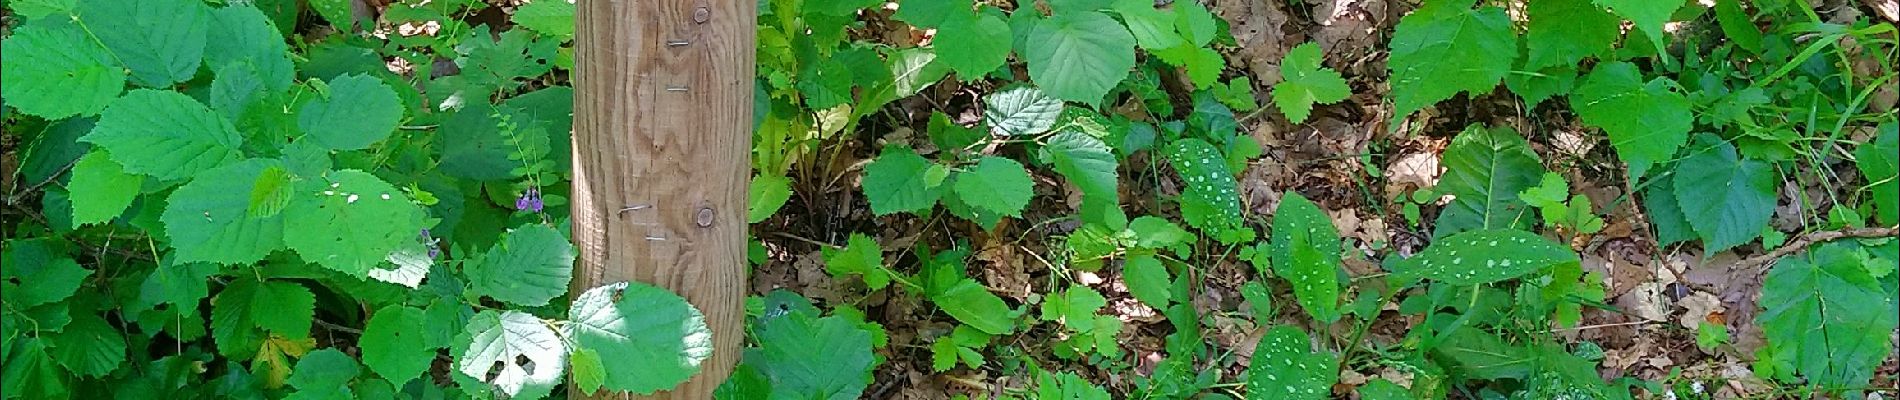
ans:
x=705 y=217
x=701 y=14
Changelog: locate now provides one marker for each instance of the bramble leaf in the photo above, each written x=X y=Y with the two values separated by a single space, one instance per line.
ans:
x=1646 y=122
x=1305 y=83
x=1444 y=48
x=1825 y=312
x=1726 y=198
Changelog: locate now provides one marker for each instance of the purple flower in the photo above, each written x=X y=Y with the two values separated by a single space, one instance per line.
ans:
x=529 y=200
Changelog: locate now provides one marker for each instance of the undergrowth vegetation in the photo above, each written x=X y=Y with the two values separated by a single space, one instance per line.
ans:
x=289 y=199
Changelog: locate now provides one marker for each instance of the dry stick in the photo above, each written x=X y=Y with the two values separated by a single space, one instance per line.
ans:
x=1761 y=262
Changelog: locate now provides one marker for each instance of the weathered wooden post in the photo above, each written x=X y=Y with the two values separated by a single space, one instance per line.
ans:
x=662 y=132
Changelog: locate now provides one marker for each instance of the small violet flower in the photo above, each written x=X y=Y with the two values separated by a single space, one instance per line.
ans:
x=529 y=200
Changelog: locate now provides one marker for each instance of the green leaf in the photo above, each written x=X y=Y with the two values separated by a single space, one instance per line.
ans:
x=530 y=266
x=1075 y=308
x=1147 y=280
x=1079 y=56
x=1381 y=389
x=1286 y=367
x=1535 y=87
x=393 y=347
x=1305 y=83
x=30 y=373
x=283 y=308
x=1445 y=48
x=971 y=303
x=51 y=279
x=209 y=219
x=1210 y=201
x=1088 y=164
x=1484 y=171
x=895 y=182
x=1646 y=122
x=1737 y=25
x=164 y=134
x=473 y=147
x=1484 y=256
x=1648 y=15
x=766 y=194
x=351 y=224
x=589 y=373
x=270 y=193
x=53 y=70
x=160 y=41
x=929 y=13
x=972 y=44
x=860 y=256
x=1879 y=161
x=997 y=184
x=1067 y=386
x=245 y=305
x=1156 y=233
x=1828 y=315
x=88 y=346
x=548 y=17
x=1020 y=111
x=1659 y=200
x=504 y=62
x=324 y=370
x=103 y=188
x=1153 y=28
x=911 y=70
x=1563 y=32
x=648 y=338
x=35 y=9
x=1481 y=355
x=1305 y=252
x=358 y=111
x=502 y=347
x=806 y=357
x=1196 y=24
x=1726 y=198
x=245 y=36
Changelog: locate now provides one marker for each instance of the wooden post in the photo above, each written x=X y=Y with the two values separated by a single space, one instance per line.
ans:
x=662 y=135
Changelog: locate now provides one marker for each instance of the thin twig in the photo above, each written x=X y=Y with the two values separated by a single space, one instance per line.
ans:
x=338 y=328
x=1761 y=262
x=1597 y=326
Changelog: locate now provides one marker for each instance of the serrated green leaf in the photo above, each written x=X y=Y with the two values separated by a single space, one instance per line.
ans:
x=34 y=9
x=1286 y=367
x=1648 y=15
x=972 y=44
x=31 y=373
x=860 y=256
x=589 y=374
x=359 y=111
x=394 y=347
x=554 y=18
x=104 y=189
x=1304 y=82
x=1067 y=386
x=813 y=358
x=1828 y=315
x=1445 y=48
x=164 y=134
x=88 y=346
x=1196 y=24
x=51 y=280
x=270 y=193
x=493 y=63
x=1153 y=28
x=910 y=71
x=327 y=370
x=183 y=285
x=996 y=184
x=1659 y=200
x=283 y=308
x=245 y=305
x=1210 y=201
x=1079 y=56
x=473 y=147
x=1879 y=161
x=765 y=195
x=1203 y=65
x=1484 y=171
x=1726 y=198
x=1381 y=389
x=649 y=339
x=352 y=223
x=209 y=219
x=952 y=137
x=1535 y=87
x=1562 y=32
x=1484 y=256
x=1646 y=122
x=1088 y=164
x=971 y=303
x=1156 y=233
x=929 y=13
x=1305 y=252
x=244 y=35
x=894 y=182
x=1074 y=308
x=1147 y=280
x=499 y=342
x=160 y=41
x=52 y=70
x=1020 y=111
x=530 y=266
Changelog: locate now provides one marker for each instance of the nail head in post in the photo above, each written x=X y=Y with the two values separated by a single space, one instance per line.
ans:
x=705 y=217
x=701 y=15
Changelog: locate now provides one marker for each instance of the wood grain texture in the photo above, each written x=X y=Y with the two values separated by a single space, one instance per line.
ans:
x=662 y=135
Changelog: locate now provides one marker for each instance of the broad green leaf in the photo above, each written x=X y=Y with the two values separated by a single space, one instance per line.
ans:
x=1210 y=201
x=806 y=357
x=406 y=266
x=1305 y=252
x=209 y=219
x=1196 y=24
x=53 y=70
x=358 y=111
x=1147 y=280
x=589 y=373
x=1304 y=82
x=235 y=89
x=1484 y=171
x=31 y=373
x=1067 y=386
x=1445 y=48
x=327 y=370
x=283 y=308
x=1826 y=313
x=972 y=44
x=504 y=62
x=35 y=282
x=648 y=338
x=553 y=18
x=1079 y=56
x=1726 y=198
x=996 y=184
x=503 y=345
x=246 y=305
x=1075 y=308
x=895 y=182
x=766 y=194
x=1484 y=256
x=1648 y=15
x=860 y=256
x=1659 y=200
x=88 y=346
x=1156 y=233
x=973 y=304
x=825 y=83
x=270 y=193
x=1087 y=163
x=530 y=266
x=1646 y=122
x=160 y=41
x=1737 y=25
x=244 y=35
x=1153 y=28
x=1482 y=355
x=352 y=223
x=103 y=188
x=164 y=134
x=1020 y=111
x=1286 y=367
x=911 y=70
x=394 y=347
x=1535 y=87
x=1203 y=65
x=929 y=13
x=183 y=285
x=1381 y=389
x=34 y=9
x=1062 y=6
x=1563 y=32
x=472 y=147
x=1879 y=161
